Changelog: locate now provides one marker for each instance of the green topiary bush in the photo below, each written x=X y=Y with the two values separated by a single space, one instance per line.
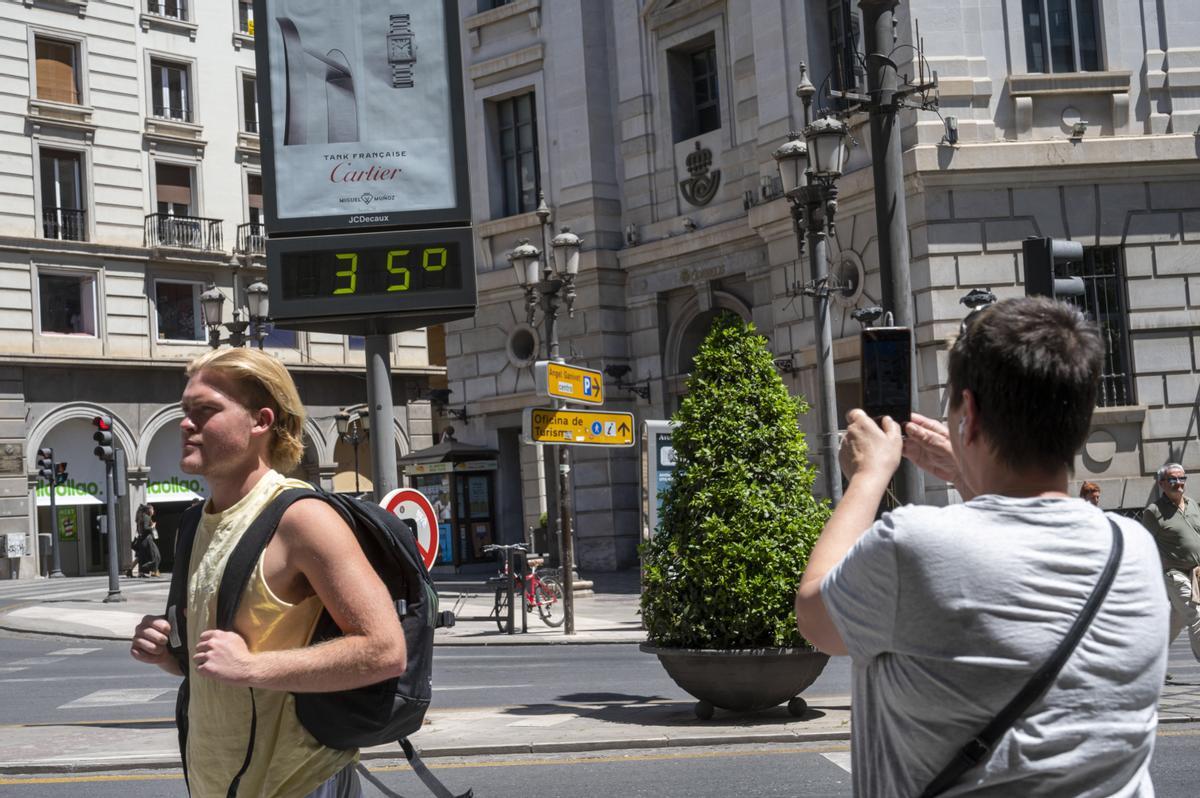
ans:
x=739 y=520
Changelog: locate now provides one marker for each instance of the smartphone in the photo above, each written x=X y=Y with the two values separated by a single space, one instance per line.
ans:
x=887 y=373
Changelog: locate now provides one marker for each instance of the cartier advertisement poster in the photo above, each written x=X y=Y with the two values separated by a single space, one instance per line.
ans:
x=361 y=108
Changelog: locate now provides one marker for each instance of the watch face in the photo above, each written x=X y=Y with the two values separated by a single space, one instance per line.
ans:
x=400 y=48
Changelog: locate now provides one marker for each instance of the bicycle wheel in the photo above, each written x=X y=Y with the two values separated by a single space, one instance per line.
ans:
x=500 y=609
x=548 y=596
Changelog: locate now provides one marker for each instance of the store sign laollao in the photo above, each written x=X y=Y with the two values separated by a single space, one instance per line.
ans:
x=173 y=487
x=577 y=427
x=70 y=490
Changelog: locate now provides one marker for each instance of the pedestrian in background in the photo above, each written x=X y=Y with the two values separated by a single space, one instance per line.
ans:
x=947 y=612
x=1090 y=492
x=1174 y=521
x=146 y=546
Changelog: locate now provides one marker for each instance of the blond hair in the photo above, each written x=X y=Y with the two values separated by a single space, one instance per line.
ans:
x=262 y=382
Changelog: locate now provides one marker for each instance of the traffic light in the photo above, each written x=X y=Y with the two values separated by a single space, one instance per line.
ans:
x=1043 y=257
x=60 y=473
x=103 y=437
x=45 y=465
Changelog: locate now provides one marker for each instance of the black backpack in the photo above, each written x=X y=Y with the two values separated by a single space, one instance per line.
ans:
x=376 y=714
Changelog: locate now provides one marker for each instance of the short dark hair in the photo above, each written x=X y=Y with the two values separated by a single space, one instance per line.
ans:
x=1033 y=365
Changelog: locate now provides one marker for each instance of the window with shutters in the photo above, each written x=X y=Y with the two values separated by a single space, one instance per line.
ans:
x=57 y=72
x=170 y=92
x=845 y=46
x=254 y=201
x=1104 y=302
x=67 y=302
x=1061 y=36
x=177 y=304
x=173 y=189
x=695 y=96
x=246 y=17
x=174 y=9
x=64 y=208
x=249 y=104
x=517 y=147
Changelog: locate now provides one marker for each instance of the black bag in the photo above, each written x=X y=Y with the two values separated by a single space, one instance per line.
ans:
x=376 y=714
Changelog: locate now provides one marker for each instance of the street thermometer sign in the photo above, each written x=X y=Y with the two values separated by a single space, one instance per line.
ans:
x=572 y=383
x=577 y=427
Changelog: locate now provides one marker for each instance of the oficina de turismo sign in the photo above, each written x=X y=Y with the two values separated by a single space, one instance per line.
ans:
x=362 y=125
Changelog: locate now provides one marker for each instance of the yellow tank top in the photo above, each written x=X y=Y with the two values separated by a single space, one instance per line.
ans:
x=287 y=761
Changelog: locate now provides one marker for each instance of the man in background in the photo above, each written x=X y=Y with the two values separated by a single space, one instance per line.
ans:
x=1174 y=521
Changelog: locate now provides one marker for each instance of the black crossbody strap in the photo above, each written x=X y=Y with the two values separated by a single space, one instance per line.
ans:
x=979 y=748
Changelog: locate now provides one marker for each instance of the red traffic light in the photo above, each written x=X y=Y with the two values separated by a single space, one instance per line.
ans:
x=102 y=423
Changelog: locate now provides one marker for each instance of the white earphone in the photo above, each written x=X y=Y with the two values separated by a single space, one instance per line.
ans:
x=962 y=425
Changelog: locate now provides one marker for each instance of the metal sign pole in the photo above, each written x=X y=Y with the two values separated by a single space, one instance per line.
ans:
x=383 y=421
x=55 y=555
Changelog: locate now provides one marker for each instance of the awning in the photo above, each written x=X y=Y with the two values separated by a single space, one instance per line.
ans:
x=68 y=499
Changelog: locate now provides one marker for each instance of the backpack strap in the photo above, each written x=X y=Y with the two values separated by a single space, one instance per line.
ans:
x=177 y=598
x=980 y=747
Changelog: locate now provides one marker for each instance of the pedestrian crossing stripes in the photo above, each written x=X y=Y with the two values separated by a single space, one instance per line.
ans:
x=72 y=652
x=123 y=697
x=839 y=758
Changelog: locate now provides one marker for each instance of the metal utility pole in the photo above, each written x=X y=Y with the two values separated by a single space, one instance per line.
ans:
x=891 y=214
x=114 y=582
x=382 y=414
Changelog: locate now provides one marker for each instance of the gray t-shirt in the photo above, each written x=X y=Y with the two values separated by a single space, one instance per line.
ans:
x=946 y=612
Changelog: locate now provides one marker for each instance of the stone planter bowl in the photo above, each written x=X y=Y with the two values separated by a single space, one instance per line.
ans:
x=742 y=680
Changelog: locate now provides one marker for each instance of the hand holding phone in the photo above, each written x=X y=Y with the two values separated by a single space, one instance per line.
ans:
x=887 y=373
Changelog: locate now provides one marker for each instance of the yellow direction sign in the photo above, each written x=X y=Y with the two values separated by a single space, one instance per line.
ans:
x=577 y=427
x=573 y=383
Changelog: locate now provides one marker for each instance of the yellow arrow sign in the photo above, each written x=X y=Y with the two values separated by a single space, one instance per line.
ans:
x=577 y=427
x=573 y=383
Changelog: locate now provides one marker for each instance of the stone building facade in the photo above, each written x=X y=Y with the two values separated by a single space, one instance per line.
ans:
x=1082 y=125
x=130 y=181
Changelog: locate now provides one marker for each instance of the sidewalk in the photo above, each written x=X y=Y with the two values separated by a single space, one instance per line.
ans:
x=76 y=608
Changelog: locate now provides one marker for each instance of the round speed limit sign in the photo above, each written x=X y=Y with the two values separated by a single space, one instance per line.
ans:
x=414 y=509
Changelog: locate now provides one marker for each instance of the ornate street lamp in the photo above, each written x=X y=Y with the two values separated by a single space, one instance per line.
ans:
x=212 y=303
x=792 y=160
x=826 y=139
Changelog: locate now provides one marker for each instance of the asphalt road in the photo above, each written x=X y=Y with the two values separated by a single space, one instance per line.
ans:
x=817 y=769
x=47 y=679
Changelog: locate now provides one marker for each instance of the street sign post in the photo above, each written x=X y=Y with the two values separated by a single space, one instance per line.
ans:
x=571 y=383
x=577 y=427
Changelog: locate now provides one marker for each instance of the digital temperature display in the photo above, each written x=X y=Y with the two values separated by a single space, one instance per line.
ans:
x=391 y=270
x=366 y=283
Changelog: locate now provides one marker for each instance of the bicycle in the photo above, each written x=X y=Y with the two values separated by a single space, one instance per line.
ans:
x=544 y=594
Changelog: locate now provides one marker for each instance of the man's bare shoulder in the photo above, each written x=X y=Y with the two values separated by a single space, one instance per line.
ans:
x=312 y=522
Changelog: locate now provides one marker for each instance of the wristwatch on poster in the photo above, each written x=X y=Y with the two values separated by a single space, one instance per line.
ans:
x=402 y=52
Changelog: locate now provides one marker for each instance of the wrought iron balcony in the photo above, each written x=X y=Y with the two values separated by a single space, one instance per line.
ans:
x=183 y=232
x=251 y=239
x=65 y=224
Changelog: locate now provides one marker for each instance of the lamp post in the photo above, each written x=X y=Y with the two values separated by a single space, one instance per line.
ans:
x=809 y=170
x=352 y=430
x=212 y=300
x=548 y=282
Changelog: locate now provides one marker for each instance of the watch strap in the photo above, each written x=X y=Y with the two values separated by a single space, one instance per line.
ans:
x=402 y=76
